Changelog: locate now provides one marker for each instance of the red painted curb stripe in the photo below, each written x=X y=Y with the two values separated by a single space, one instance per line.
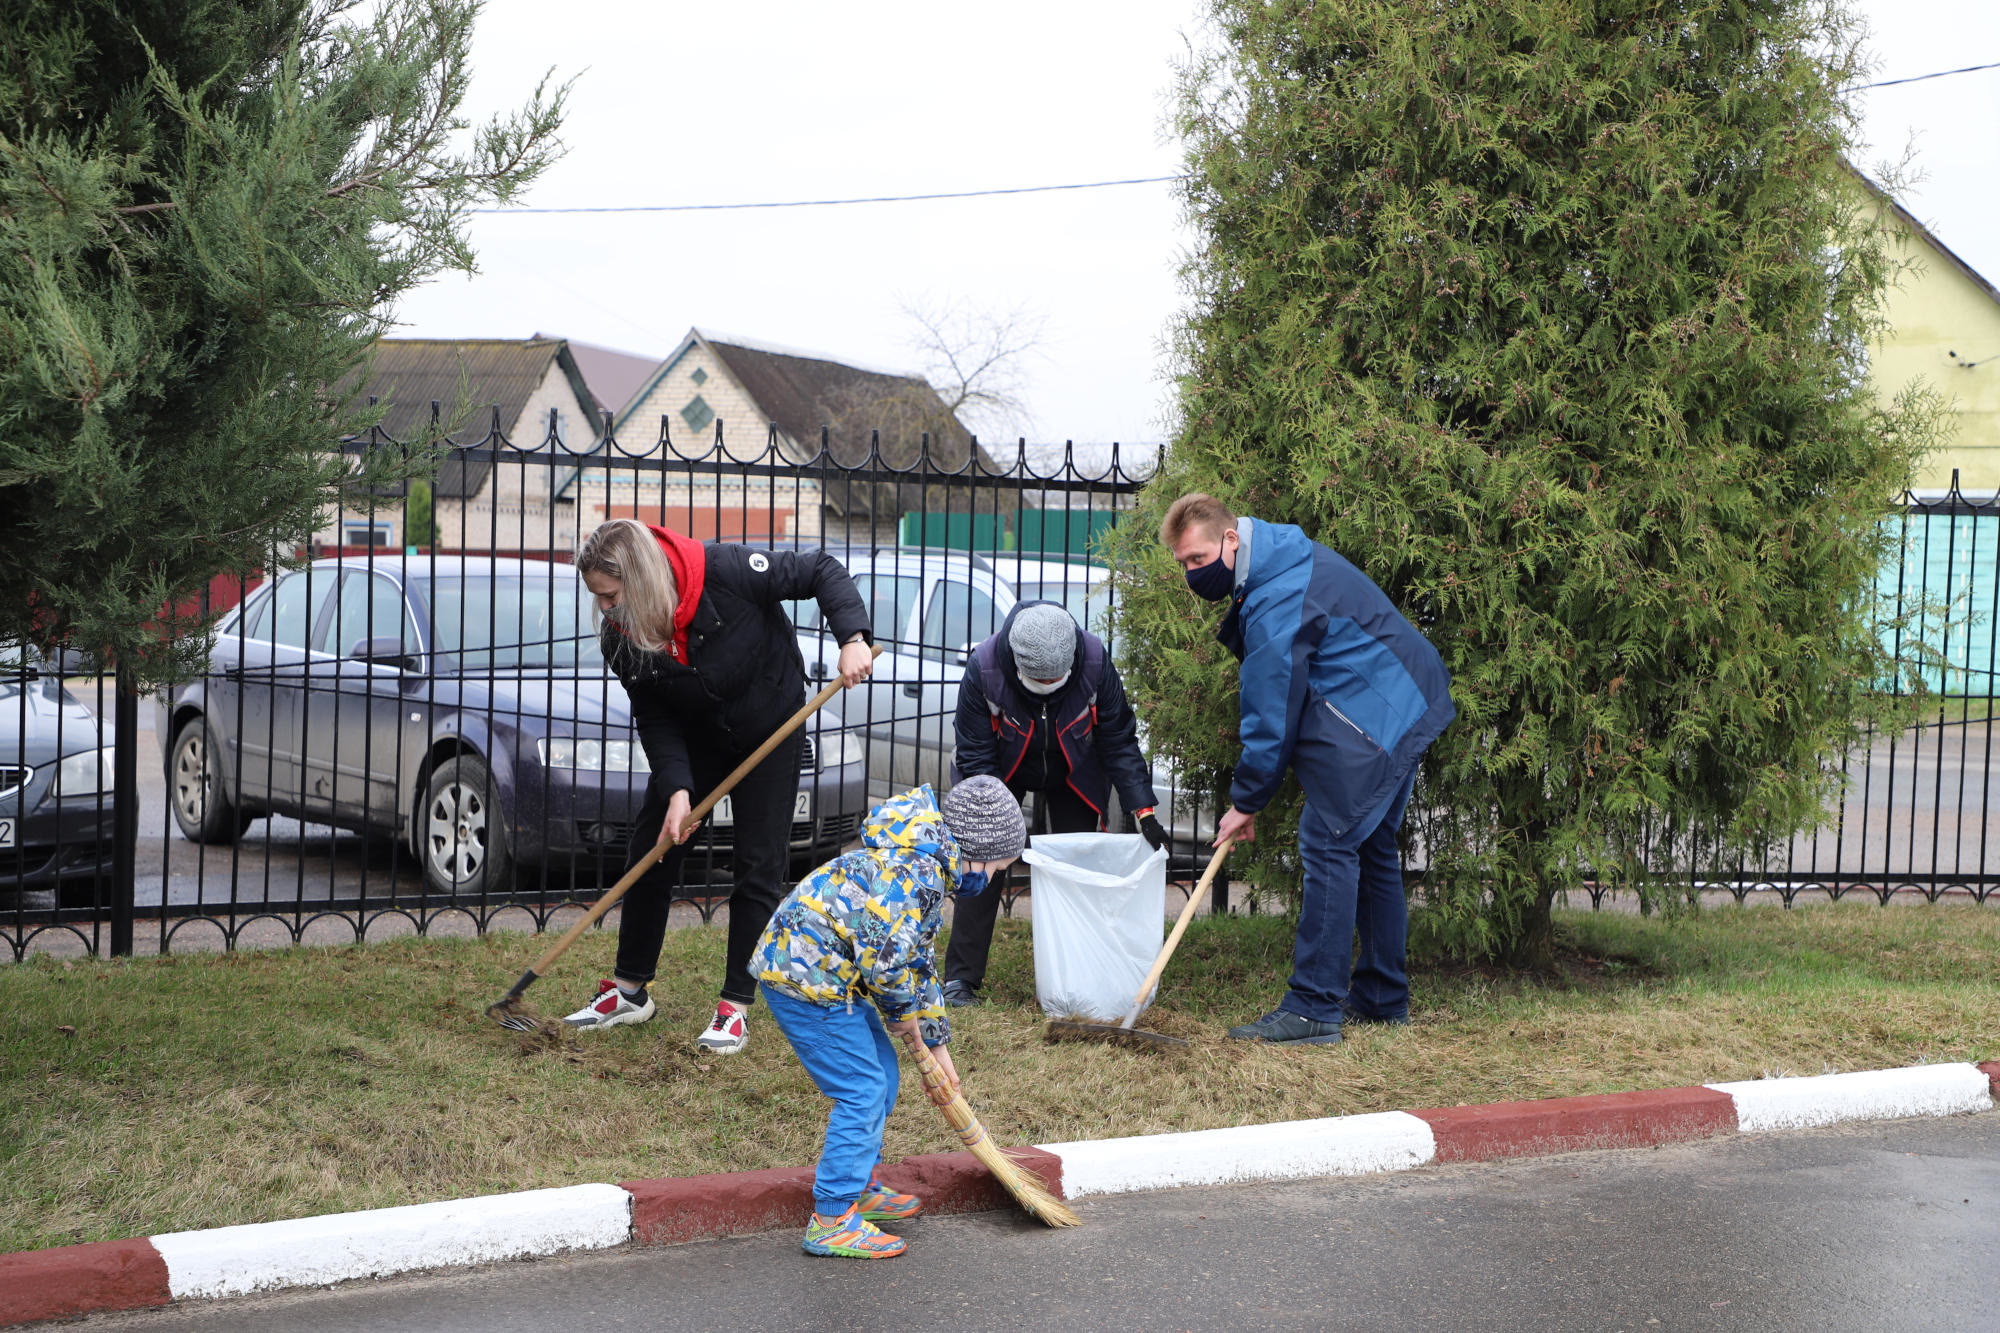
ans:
x=78 y=1279
x=667 y=1212
x=1991 y=1068
x=1569 y=1124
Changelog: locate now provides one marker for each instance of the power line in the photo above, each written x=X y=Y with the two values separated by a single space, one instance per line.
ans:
x=1941 y=74
x=827 y=203
x=1018 y=189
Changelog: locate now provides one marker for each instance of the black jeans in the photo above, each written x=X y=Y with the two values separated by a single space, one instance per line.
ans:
x=1062 y=811
x=762 y=804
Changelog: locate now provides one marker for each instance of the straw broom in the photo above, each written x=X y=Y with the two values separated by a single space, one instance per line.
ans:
x=1022 y=1183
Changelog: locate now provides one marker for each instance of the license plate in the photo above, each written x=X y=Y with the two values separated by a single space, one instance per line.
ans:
x=7 y=831
x=724 y=815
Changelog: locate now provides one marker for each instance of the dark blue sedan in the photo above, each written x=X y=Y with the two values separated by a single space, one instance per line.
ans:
x=55 y=785
x=459 y=703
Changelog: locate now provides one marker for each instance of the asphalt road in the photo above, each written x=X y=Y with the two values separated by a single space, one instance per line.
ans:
x=1882 y=1226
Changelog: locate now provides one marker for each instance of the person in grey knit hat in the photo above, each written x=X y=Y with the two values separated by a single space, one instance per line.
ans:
x=1043 y=638
x=985 y=819
x=1042 y=712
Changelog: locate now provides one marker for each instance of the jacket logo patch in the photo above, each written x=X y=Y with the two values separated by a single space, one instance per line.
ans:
x=760 y=562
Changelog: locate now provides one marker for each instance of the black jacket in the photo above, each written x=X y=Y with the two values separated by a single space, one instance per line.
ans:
x=744 y=675
x=1083 y=736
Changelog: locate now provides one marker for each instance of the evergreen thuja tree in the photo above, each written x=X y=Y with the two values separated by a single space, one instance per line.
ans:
x=207 y=211
x=1553 y=317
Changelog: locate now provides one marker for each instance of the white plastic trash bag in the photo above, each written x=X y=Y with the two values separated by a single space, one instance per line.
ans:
x=1100 y=906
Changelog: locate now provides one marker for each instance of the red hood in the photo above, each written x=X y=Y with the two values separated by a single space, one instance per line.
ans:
x=689 y=560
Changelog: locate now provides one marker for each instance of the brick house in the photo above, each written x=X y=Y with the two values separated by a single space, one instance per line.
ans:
x=499 y=396
x=736 y=414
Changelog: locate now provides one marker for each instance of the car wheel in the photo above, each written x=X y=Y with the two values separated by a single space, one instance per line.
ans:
x=194 y=789
x=463 y=829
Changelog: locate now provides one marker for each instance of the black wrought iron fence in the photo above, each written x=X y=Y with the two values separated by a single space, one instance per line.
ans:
x=415 y=726
x=415 y=723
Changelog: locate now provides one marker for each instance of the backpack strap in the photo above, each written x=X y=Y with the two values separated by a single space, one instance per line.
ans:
x=991 y=679
x=1093 y=667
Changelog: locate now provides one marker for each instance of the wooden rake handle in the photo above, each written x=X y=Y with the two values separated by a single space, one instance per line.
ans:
x=1174 y=939
x=695 y=816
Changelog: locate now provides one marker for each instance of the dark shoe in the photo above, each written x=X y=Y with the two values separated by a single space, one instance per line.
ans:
x=1281 y=1027
x=1354 y=1015
x=959 y=995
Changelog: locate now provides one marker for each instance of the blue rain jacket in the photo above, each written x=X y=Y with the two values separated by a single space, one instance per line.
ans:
x=1335 y=682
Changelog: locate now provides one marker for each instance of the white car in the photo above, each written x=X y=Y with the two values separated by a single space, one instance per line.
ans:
x=928 y=608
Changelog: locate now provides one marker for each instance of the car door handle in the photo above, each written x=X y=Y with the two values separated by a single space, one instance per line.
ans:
x=913 y=689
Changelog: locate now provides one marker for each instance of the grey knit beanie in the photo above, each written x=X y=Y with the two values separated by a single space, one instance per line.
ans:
x=1044 y=642
x=985 y=819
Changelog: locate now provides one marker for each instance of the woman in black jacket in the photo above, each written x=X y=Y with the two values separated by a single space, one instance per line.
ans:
x=695 y=633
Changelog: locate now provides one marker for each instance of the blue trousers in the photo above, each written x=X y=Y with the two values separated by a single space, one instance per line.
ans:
x=853 y=1060
x=1353 y=883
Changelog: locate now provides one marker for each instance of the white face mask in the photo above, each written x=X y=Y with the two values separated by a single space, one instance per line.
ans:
x=1037 y=687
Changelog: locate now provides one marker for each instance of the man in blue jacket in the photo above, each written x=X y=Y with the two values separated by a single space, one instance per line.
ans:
x=1340 y=688
x=1042 y=709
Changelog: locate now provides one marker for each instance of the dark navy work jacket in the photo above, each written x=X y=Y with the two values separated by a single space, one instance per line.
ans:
x=1083 y=736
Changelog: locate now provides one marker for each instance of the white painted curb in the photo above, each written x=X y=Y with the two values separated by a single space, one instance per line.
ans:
x=314 y=1251
x=1877 y=1094
x=1350 y=1145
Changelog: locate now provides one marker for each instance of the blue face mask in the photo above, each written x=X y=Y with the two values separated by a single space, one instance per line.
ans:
x=971 y=884
x=1212 y=581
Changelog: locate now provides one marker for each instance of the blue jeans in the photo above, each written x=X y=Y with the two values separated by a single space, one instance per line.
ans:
x=852 y=1060
x=1353 y=882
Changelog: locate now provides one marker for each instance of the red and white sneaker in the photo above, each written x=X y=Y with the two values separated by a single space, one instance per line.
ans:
x=727 y=1034
x=611 y=1009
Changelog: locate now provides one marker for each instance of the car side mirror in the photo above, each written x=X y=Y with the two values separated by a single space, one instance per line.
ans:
x=966 y=651
x=388 y=652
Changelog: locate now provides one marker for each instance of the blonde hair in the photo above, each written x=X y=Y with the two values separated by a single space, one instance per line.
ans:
x=1195 y=510
x=627 y=550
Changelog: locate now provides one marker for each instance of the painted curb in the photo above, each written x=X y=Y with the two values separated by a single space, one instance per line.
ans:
x=1879 y=1094
x=1349 y=1145
x=668 y=1212
x=1575 y=1124
x=130 y=1274
x=316 y=1251
x=81 y=1279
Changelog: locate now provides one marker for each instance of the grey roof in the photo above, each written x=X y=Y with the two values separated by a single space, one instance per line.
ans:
x=473 y=381
x=801 y=394
x=614 y=377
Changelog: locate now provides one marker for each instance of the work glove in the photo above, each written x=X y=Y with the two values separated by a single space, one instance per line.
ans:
x=1149 y=828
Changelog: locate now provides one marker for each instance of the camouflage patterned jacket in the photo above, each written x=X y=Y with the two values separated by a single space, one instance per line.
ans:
x=862 y=925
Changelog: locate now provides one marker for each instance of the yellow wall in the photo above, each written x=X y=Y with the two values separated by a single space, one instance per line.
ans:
x=1936 y=309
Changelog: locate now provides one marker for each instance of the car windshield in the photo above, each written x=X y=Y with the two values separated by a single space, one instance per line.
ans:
x=511 y=620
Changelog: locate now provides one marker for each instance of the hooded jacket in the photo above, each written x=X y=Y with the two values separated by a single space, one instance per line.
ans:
x=1336 y=684
x=1083 y=736
x=861 y=927
x=732 y=672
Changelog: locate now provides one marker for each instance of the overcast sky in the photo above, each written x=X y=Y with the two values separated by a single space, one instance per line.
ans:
x=682 y=104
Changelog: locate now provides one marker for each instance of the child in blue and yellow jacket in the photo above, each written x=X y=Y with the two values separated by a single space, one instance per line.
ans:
x=861 y=928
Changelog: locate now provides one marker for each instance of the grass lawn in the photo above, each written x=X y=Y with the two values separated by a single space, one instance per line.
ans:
x=174 y=1093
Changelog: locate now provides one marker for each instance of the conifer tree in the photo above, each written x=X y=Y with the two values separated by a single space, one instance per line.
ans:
x=207 y=212
x=1553 y=316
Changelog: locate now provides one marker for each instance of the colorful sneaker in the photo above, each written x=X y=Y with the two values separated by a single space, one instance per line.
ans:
x=850 y=1236
x=727 y=1034
x=611 y=1009
x=882 y=1204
